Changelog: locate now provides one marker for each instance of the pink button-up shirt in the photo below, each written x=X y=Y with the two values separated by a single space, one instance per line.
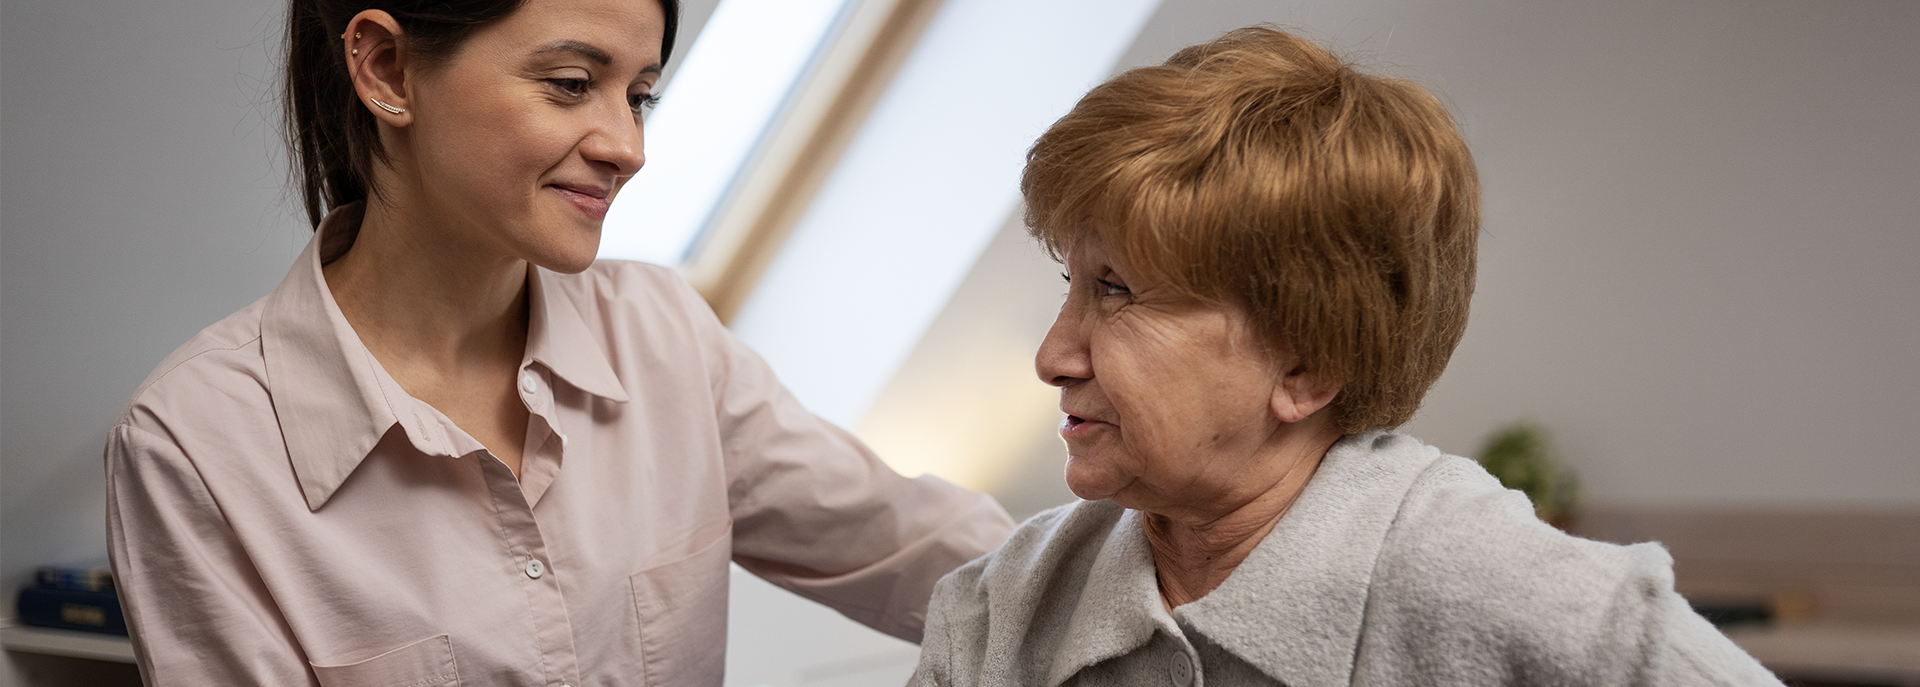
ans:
x=281 y=512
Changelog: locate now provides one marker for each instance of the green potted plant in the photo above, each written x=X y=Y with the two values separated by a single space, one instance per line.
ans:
x=1522 y=457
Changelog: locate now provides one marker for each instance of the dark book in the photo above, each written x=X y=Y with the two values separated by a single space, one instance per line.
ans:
x=72 y=609
x=86 y=579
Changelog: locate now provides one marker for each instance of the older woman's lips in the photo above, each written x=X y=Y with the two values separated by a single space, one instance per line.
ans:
x=591 y=200
x=1075 y=427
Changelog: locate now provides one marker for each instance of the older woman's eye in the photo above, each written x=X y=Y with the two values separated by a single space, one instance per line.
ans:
x=642 y=101
x=1113 y=289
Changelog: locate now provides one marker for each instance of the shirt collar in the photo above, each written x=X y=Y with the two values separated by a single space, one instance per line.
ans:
x=335 y=402
x=558 y=337
x=1294 y=608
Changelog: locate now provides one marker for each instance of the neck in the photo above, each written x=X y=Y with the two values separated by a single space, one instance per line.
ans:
x=1194 y=552
x=426 y=300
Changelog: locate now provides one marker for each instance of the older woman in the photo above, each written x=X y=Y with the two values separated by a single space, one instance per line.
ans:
x=453 y=448
x=1270 y=257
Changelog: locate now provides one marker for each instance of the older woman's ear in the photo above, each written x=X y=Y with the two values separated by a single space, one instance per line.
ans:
x=1300 y=393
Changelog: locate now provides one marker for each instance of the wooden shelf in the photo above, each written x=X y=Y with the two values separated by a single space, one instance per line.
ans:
x=1836 y=652
x=46 y=640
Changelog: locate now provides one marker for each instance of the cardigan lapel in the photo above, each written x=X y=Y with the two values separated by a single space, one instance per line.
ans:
x=1294 y=608
x=1119 y=607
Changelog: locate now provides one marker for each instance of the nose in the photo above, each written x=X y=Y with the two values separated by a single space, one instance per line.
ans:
x=1064 y=358
x=616 y=141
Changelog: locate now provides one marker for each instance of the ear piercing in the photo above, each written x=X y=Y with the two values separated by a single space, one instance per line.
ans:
x=376 y=102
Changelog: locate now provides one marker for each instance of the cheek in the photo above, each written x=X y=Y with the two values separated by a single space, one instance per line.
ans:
x=1146 y=385
x=1173 y=400
x=485 y=145
x=517 y=142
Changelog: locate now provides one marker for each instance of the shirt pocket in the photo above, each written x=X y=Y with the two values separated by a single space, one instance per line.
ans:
x=683 y=616
x=425 y=663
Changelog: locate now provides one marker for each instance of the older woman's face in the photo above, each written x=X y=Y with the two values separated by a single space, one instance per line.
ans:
x=1168 y=400
x=526 y=134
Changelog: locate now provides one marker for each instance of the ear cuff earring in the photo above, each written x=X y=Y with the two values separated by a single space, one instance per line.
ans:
x=376 y=102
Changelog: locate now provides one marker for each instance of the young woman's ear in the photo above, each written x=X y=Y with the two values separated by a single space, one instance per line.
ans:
x=378 y=69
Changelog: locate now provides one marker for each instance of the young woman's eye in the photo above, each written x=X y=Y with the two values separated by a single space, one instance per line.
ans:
x=642 y=101
x=576 y=88
x=1113 y=289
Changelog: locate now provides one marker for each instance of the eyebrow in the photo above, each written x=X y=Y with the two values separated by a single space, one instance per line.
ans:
x=588 y=51
x=576 y=47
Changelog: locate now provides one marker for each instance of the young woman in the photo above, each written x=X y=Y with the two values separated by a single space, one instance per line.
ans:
x=450 y=446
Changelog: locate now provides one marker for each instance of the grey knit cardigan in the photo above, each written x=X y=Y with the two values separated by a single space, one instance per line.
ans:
x=1398 y=565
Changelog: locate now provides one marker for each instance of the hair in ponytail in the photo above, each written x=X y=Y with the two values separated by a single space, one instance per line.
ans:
x=332 y=140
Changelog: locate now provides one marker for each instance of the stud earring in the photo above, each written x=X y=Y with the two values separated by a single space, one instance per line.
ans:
x=356 y=51
x=389 y=108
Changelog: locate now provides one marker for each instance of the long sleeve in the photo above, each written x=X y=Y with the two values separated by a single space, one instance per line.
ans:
x=818 y=513
x=1471 y=588
x=1697 y=653
x=198 y=611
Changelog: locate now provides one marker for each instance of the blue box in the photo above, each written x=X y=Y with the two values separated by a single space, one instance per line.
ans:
x=72 y=609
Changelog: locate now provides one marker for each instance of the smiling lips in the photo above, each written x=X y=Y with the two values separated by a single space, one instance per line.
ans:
x=592 y=200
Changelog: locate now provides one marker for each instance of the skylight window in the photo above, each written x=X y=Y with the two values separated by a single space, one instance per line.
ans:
x=710 y=119
x=932 y=174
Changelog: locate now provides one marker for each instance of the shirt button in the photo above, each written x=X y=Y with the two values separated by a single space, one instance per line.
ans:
x=535 y=568
x=528 y=382
x=1181 y=671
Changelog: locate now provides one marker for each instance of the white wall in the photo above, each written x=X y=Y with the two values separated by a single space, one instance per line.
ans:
x=140 y=201
x=1700 y=266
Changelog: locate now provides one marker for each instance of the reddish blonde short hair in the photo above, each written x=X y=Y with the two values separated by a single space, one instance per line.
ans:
x=1340 y=209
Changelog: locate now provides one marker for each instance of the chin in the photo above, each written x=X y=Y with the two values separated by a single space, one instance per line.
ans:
x=1091 y=482
x=571 y=266
x=569 y=259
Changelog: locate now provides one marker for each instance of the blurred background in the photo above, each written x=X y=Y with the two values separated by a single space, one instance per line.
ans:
x=1699 y=276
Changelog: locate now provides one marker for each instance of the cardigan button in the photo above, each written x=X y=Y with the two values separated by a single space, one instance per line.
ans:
x=1181 y=671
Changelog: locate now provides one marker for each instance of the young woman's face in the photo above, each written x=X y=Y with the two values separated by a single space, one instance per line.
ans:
x=520 y=141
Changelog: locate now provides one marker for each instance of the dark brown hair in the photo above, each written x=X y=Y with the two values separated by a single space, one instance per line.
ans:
x=1340 y=209
x=332 y=140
